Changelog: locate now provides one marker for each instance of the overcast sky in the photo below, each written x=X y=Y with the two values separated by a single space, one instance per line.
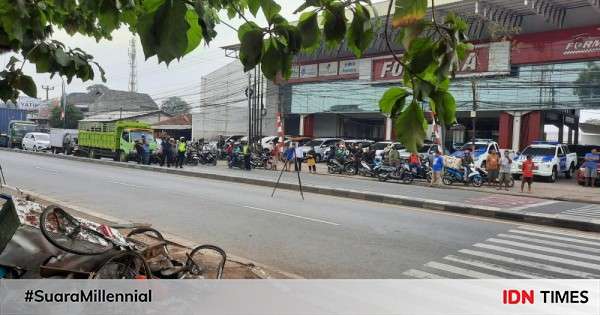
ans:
x=155 y=79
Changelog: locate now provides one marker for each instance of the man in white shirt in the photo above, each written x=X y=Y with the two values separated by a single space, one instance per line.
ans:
x=299 y=154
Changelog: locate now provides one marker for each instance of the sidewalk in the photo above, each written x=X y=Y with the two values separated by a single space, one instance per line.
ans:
x=481 y=202
x=562 y=190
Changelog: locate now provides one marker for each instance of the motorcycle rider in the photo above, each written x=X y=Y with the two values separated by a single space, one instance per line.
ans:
x=393 y=157
x=414 y=161
x=467 y=160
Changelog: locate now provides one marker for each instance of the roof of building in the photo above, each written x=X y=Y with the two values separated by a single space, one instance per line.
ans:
x=121 y=115
x=100 y=99
x=178 y=122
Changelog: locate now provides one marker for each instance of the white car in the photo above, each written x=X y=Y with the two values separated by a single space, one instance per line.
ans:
x=36 y=141
x=551 y=159
x=319 y=145
x=479 y=150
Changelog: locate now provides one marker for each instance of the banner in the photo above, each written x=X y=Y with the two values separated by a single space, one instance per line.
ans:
x=295 y=297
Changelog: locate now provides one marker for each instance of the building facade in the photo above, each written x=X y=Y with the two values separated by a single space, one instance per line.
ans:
x=528 y=70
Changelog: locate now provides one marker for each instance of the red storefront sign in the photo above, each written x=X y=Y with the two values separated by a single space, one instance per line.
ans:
x=476 y=62
x=556 y=46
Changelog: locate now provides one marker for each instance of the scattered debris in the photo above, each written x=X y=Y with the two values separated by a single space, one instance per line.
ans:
x=48 y=242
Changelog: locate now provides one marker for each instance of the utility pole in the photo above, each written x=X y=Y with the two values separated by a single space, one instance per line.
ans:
x=249 y=95
x=63 y=104
x=132 y=66
x=47 y=88
x=475 y=108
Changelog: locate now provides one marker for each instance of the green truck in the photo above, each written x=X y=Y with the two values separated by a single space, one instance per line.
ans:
x=114 y=139
x=18 y=129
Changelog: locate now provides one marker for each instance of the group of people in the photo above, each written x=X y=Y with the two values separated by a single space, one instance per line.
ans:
x=499 y=168
x=171 y=151
x=238 y=152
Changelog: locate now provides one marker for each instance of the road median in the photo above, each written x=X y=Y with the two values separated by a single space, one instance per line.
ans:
x=460 y=207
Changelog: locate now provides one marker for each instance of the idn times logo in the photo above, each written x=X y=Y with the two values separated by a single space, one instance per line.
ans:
x=515 y=296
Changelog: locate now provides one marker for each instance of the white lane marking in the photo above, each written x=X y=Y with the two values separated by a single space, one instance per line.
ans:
x=494 y=267
x=530 y=264
x=46 y=169
x=539 y=204
x=460 y=271
x=292 y=215
x=545 y=249
x=421 y=274
x=551 y=243
x=540 y=256
x=560 y=232
x=560 y=238
x=126 y=184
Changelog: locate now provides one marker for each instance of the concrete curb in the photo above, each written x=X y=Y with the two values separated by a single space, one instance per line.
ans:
x=260 y=270
x=556 y=220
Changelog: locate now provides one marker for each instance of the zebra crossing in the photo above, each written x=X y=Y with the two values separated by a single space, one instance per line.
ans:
x=589 y=211
x=524 y=252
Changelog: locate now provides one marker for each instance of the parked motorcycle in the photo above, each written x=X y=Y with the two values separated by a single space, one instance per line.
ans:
x=237 y=161
x=452 y=175
x=334 y=166
x=484 y=177
x=207 y=156
x=191 y=157
x=401 y=173
x=370 y=170
x=422 y=172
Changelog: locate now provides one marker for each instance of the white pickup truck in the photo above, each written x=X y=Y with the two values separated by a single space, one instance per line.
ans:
x=551 y=159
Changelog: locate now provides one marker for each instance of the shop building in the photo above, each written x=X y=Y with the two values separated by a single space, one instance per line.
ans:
x=528 y=70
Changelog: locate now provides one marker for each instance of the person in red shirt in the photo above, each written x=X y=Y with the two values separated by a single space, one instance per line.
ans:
x=527 y=168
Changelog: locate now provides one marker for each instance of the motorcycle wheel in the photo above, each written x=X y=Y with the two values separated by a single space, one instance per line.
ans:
x=447 y=180
x=214 y=162
x=331 y=170
x=511 y=183
x=477 y=181
x=428 y=177
x=382 y=177
x=349 y=169
x=407 y=178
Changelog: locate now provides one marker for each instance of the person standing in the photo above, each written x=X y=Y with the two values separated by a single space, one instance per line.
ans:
x=492 y=166
x=299 y=155
x=394 y=157
x=146 y=150
x=414 y=161
x=181 y=149
x=437 y=167
x=505 y=167
x=166 y=152
x=591 y=167
x=527 y=168
x=311 y=161
x=246 y=155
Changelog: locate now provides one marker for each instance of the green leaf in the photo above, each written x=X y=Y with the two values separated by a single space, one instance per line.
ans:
x=207 y=19
x=163 y=32
x=421 y=54
x=309 y=29
x=409 y=12
x=360 y=35
x=253 y=6
x=26 y=84
x=392 y=101
x=194 y=33
x=272 y=59
x=411 y=127
x=334 y=24
x=444 y=106
x=251 y=47
x=61 y=57
x=270 y=9
x=108 y=16
x=410 y=33
x=307 y=4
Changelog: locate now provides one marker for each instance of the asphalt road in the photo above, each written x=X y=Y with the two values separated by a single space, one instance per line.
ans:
x=320 y=237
